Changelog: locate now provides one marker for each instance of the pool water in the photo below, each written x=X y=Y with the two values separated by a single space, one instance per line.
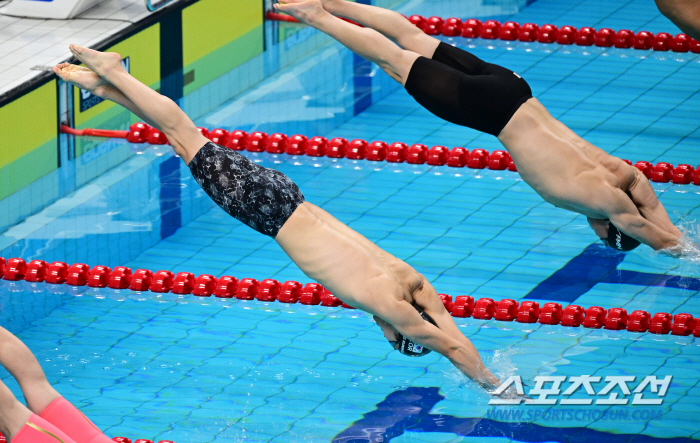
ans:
x=191 y=370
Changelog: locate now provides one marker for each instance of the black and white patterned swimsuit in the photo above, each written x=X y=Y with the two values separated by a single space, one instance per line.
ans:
x=261 y=198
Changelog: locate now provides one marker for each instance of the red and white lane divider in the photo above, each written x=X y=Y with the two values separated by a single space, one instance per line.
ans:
x=140 y=440
x=530 y=32
x=358 y=149
x=269 y=290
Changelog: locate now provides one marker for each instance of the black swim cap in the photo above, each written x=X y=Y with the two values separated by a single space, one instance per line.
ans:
x=619 y=240
x=409 y=347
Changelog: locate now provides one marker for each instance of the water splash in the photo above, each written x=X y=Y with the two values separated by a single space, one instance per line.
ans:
x=688 y=248
x=501 y=363
x=459 y=387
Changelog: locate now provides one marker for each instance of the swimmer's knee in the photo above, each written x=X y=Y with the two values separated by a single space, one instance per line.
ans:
x=399 y=66
x=419 y=42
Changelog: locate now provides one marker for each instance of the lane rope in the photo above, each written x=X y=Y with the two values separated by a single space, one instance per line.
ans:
x=270 y=290
x=548 y=34
x=358 y=149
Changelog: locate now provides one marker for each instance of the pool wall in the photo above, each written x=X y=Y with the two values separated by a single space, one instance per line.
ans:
x=193 y=56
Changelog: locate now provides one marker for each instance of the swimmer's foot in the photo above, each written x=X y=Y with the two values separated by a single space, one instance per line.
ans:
x=306 y=11
x=83 y=78
x=101 y=63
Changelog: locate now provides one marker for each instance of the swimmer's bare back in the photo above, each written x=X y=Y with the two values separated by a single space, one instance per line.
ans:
x=573 y=174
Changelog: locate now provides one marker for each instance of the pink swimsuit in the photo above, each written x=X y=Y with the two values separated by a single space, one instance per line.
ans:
x=70 y=420
x=38 y=430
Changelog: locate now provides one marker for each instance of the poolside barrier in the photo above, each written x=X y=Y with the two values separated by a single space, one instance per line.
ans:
x=270 y=290
x=530 y=32
x=358 y=149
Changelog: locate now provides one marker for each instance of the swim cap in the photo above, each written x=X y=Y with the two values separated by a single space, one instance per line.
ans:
x=409 y=347
x=619 y=240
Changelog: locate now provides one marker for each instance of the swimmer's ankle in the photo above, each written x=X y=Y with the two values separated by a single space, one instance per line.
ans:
x=104 y=64
x=332 y=5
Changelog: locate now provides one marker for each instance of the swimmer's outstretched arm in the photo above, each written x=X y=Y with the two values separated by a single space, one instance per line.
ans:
x=623 y=213
x=644 y=197
x=459 y=350
x=364 y=42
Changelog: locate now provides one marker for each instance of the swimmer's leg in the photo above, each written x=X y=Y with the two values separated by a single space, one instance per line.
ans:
x=391 y=24
x=24 y=367
x=162 y=111
x=42 y=399
x=13 y=414
x=364 y=42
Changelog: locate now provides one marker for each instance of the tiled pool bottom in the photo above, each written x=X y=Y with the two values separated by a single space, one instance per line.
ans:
x=197 y=370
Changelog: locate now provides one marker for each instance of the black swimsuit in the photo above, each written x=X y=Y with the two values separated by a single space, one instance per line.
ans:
x=261 y=198
x=459 y=87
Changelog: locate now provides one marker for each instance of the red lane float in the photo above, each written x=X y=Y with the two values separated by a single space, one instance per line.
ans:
x=594 y=317
x=120 y=278
x=550 y=314
x=247 y=289
x=226 y=287
x=141 y=280
x=270 y=290
x=36 y=271
x=141 y=440
x=528 y=312
x=290 y=292
x=15 y=269
x=204 y=285
x=183 y=283
x=98 y=277
x=311 y=294
x=506 y=310
x=78 y=274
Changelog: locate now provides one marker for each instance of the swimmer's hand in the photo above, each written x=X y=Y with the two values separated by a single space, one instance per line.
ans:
x=685 y=248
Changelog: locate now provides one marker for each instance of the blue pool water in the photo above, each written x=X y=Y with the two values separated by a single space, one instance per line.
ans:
x=209 y=370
